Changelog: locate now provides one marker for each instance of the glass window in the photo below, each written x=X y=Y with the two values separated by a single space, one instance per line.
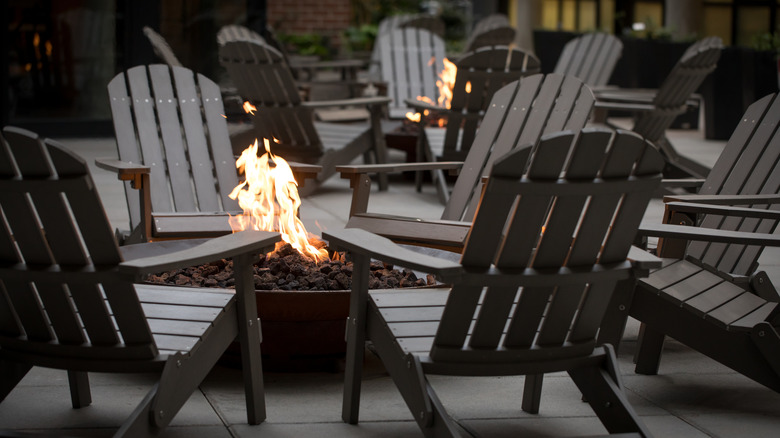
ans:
x=587 y=16
x=717 y=22
x=61 y=56
x=751 y=21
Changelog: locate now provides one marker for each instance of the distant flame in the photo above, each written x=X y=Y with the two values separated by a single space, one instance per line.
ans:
x=446 y=82
x=269 y=198
x=249 y=108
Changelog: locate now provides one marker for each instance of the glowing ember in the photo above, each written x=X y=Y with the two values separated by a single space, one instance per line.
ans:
x=249 y=108
x=270 y=201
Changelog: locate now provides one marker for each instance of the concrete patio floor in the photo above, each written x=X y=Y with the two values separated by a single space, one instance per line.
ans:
x=692 y=396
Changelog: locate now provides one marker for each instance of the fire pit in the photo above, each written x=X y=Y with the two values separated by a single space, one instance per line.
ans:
x=303 y=305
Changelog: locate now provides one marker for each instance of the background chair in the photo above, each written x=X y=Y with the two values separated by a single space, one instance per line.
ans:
x=264 y=79
x=531 y=287
x=493 y=30
x=480 y=74
x=591 y=57
x=410 y=61
x=519 y=113
x=656 y=110
x=174 y=154
x=709 y=294
x=70 y=301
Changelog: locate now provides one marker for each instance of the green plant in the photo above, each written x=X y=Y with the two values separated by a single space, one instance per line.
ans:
x=360 y=38
x=766 y=42
x=306 y=44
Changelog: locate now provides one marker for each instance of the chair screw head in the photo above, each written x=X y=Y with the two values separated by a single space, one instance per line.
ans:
x=622 y=307
x=761 y=334
x=178 y=364
x=161 y=414
x=250 y=323
x=608 y=404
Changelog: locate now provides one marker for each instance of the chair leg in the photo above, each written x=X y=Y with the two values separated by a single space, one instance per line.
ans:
x=356 y=341
x=532 y=393
x=614 y=322
x=80 y=395
x=250 y=337
x=11 y=373
x=648 y=351
x=353 y=373
x=601 y=388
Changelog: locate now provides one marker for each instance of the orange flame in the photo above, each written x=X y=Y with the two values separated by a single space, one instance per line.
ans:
x=446 y=82
x=269 y=198
x=249 y=108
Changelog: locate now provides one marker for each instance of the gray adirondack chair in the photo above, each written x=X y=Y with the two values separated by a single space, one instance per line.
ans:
x=70 y=302
x=709 y=295
x=161 y=47
x=410 y=61
x=656 y=110
x=480 y=74
x=264 y=79
x=174 y=154
x=591 y=57
x=493 y=30
x=519 y=113
x=531 y=287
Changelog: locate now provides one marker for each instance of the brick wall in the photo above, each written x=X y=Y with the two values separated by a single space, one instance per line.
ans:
x=325 y=17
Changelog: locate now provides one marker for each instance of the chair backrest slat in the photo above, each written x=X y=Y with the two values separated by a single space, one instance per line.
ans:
x=579 y=182
x=518 y=114
x=749 y=164
x=149 y=141
x=54 y=293
x=591 y=57
x=176 y=161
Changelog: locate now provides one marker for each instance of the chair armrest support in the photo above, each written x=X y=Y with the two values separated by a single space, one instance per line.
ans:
x=361 y=242
x=232 y=245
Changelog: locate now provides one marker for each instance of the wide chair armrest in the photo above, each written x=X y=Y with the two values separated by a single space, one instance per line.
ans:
x=363 y=243
x=421 y=106
x=125 y=171
x=722 y=210
x=707 y=234
x=360 y=181
x=357 y=101
x=242 y=243
x=725 y=199
x=682 y=182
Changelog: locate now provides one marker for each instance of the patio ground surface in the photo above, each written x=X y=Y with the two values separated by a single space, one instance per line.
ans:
x=692 y=396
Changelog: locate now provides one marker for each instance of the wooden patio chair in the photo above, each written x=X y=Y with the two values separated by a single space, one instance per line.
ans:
x=709 y=295
x=410 y=61
x=519 y=113
x=531 y=287
x=70 y=302
x=264 y=79
x=656 y=110
x=591 y=57
x=480 y=74
x=174 y=154
x=493 y=30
